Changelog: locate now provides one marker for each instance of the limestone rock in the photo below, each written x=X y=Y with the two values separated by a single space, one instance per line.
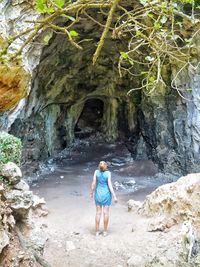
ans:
x=69 y=246
x=11 y=221
x=37 y=240
x=11 y=172
x=4 y=239
x=20 y=202
x=161 y=224
x=22 y=185
x=136 y=261
x=37 y=202
x=175 y=202
x=133 y=205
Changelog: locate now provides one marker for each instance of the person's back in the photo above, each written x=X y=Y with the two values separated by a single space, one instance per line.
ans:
x=102 y=192
x=103 y=188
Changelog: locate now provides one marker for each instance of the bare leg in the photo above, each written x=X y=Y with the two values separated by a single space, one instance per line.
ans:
x=98 y=217
x=106 y=217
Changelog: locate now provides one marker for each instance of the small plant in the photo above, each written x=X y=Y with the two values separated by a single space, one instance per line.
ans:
x=10 y=148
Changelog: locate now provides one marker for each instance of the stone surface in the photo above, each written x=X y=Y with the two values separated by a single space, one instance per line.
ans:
x=136 y=261
x=4 y=239
x=174 y=202
x=69 y=246
x=13 y=86
x=22 y=185
x=37 y=202
x=133 y=205
x=11 y=172
x=37 y=240
x=20 y=202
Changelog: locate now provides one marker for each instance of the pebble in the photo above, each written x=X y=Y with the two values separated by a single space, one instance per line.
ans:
x=69 y=246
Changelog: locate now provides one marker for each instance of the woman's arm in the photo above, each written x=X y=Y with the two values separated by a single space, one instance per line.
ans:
x=93 y=185
x=111 y=187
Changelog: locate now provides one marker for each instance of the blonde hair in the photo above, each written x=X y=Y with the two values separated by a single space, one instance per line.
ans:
x=102 y=166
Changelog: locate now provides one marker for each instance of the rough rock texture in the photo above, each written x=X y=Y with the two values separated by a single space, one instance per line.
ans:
x=20 y=202
x=13 y=86
x=15 y=77
x=11 y=172
x=136 y=261
x=20 y=244
x=173 y=203
x=133 y=205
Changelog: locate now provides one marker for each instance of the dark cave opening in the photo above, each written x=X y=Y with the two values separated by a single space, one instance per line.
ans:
x=90 y=120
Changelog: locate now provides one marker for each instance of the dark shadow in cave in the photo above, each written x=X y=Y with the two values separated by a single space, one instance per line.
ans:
x=90 y=120
x=62 y=132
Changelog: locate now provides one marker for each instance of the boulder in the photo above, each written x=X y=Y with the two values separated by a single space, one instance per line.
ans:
x=22 y=185
x=133 y=205
x=37 y=202
x=4 y=239
x=20 y=202
x=37 y=240
x=11 y=172
x=69 y=246
x=136 y=261
x=175 y=202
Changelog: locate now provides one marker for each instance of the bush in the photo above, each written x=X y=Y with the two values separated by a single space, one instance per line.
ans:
x=10 y=148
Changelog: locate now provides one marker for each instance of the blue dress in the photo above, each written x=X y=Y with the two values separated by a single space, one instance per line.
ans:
x=103 y=195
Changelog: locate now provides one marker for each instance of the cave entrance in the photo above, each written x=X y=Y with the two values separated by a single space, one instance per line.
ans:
x=90 y=120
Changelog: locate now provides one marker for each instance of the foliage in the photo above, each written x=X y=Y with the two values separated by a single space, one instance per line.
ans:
x=158 y=32
x=10 y=148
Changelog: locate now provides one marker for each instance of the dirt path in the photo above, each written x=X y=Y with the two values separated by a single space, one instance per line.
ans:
x=70 y=223
x=70 y=230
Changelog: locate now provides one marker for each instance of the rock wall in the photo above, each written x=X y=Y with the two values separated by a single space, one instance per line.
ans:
x=163 y=127
x=18 y=211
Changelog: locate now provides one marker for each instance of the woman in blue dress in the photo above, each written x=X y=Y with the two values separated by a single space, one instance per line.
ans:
x=102 y=186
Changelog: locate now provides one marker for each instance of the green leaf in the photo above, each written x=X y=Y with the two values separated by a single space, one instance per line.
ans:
x=189 y=90
x=124 y=55
x=50 y=9
x=73 y=33
x=40 y=6
x=150 y=15
x=152 y=78
x=47 y=38
x=179 y=23
x=138 y=33
x=164 y=5
x=157 y=25
x=10 y=148
x=59 y=3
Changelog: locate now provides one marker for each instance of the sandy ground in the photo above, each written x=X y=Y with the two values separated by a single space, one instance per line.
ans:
x=71 y=237
x=70 y=223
